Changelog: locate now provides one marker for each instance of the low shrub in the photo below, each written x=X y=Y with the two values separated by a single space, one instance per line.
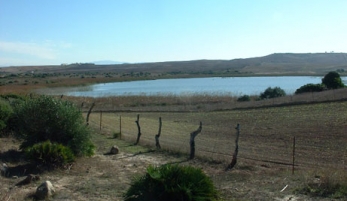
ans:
x=116 y=134
x=50 y=154
x=171 y=183
x=5 y=114
x=310 y=88
x=46 y=118
x=272 y=93
x=244 y=98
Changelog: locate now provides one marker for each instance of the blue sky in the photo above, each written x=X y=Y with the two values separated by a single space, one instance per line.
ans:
x=40 y=32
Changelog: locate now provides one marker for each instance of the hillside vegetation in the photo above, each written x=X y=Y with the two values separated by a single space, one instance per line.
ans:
x=279 y=63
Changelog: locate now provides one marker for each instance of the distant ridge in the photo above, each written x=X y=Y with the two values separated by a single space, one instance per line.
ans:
x=106 y=62
x=273 y=64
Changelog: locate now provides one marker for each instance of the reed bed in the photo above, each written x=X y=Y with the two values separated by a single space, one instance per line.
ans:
x=199 y=102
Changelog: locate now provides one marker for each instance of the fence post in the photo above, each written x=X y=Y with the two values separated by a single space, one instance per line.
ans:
x=120 y=127
x=234 y=159
x=139 y=129
x=293 y=155
x=90 y=110
x=192 y=141
x=157 y=144
x=100 y=119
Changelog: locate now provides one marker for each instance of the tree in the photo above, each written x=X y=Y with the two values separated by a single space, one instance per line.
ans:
x=332 y=80
x=272 y=93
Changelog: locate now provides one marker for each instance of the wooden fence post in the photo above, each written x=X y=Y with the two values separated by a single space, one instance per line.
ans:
x=90 y=110
x=139 y=129
x=120 y=127
x=100 y=119
x=157 y=144
x=234 y=160
x=192 y=142
x=293 y=155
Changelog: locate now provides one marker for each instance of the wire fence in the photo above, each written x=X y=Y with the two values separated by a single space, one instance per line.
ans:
x=320 y=138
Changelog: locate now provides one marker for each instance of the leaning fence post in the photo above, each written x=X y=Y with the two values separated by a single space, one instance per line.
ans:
x=139 y=129
x=234 y=160
x=100 y=119
x=120 y=127
x=192 y=142
x=293 y=155
x=157 y=144
x=90 y=110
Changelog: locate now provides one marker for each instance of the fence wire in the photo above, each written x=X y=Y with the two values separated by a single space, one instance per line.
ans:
x=267 y=137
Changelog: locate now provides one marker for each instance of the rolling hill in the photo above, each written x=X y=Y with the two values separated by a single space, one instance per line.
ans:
x=274 y=64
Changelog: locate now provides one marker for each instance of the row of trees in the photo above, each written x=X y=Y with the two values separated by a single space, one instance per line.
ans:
x=332 y=80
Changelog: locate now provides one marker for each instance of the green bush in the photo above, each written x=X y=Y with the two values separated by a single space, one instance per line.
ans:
x=171 y=183
x=272 y=93
x=12 y=96
x=5 y=114
x=244 y=98
x=50 y=154
x=46 y=118
x=310 y=88
x=332 y=80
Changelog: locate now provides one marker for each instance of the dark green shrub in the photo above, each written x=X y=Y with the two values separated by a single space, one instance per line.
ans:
x=12 y=96
x=272 y=93
x=46 y=118
x=310 y=88
x=171 y=183
x=49 y=154
x=244 y=98
x=5 y=114
x=332 y=80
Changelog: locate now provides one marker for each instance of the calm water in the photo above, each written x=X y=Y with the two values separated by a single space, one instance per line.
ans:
x=223 y=86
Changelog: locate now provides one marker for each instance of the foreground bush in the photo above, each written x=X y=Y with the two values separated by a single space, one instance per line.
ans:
x=172 y=183
x=49 y=154
x=46 y=118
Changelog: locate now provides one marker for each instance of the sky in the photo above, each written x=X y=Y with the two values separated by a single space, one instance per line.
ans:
x=53 y=32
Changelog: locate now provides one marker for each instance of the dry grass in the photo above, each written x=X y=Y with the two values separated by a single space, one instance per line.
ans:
x=266 y=134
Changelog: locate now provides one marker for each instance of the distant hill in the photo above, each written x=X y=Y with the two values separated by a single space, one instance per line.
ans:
x=274 y=64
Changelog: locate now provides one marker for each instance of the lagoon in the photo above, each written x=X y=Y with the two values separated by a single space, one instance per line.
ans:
x=234 y=86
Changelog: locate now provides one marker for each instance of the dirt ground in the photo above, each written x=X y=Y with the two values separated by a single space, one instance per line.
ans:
x=107 y=177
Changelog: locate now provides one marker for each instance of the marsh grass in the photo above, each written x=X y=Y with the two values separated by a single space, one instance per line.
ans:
x=199 y=102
